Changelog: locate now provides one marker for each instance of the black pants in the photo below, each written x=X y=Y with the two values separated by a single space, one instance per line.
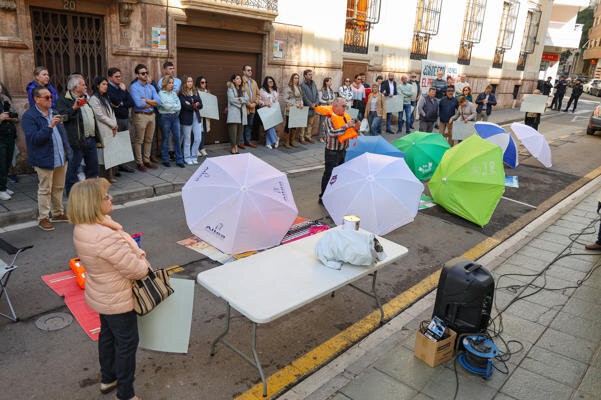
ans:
x=333 y=158
x=599 y=230
x=575 y=100
x=117 y=345
x=557 y=100
x=7 y=149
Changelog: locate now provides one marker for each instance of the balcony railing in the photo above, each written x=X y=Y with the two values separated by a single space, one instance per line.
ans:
x=270 y=5
x=356 y=36
x=522 y=61
x=497 y=61
x=419 y=46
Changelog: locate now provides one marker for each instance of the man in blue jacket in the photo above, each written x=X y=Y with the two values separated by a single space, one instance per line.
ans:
x=484 y=103
x=446 y=109
x=48 y=152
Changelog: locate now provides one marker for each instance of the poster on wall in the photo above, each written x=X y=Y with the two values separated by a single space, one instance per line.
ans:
x=430 y=68
x=278 y=48
x=159 y=37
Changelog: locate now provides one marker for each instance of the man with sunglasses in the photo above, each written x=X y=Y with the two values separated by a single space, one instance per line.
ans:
x=146 y=99
x=48 y=152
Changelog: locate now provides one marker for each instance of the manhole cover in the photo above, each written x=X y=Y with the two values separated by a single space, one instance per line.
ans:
x=54 y=321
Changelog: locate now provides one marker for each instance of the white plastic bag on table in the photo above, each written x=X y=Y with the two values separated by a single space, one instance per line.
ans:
x=336 y=247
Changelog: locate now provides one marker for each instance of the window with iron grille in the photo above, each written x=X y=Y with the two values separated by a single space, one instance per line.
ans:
x=472 y=29
x=427 y=20
x=509 y=18
x=360 y=16
x=529 y=39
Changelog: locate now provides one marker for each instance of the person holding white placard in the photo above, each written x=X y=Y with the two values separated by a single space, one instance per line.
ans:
x=202 y=86
x=106 y=122
x=268 y=96
x=532 y=119
x=189 y=119
x=293 y=95
x=465 y=112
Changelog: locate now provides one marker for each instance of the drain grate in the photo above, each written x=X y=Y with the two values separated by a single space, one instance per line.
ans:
x=54 y=321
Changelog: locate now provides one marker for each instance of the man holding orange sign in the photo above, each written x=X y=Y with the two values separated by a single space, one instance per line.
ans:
x=339 y=128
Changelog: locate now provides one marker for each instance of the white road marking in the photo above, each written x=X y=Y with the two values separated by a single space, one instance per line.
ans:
x=519 y=202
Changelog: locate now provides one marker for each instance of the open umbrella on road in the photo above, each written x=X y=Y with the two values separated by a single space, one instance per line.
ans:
x=371 y=144
x=238 y=203
x=423 y=152
x=470 y=180
x=493 y=133
x=381 y=190
x=534 y=142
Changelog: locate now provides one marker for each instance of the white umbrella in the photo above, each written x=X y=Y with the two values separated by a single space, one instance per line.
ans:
x=534 y=142
x=379 y=189
x=238 y=203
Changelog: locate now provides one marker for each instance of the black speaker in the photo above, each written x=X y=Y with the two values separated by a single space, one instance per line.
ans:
x=465 y=295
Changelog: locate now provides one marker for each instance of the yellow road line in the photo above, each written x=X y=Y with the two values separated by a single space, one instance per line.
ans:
x=294 y=372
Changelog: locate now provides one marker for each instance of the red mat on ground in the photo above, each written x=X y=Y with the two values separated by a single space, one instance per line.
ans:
x=64 y=284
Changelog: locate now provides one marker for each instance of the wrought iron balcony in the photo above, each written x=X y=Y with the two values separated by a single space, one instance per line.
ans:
x=497 y=61
x=522 y=61
x=262 y=9
x=465 y=53
x=356 y=36
x=419 y=46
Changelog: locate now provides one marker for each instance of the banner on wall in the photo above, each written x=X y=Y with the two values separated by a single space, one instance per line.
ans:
x=430 y=68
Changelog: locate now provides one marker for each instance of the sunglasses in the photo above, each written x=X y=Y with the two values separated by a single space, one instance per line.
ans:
x=142 y=73
x=48 y=97
x=203 y=82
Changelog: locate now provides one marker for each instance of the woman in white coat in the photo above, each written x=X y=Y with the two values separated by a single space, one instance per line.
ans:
x=236 y=111
x=106 y=123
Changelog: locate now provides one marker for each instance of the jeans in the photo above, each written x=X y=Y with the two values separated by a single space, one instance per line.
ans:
x=375 y=123
x=413 y=105
x=271 y=136
x=407 y=111
x=389 y=119
x=204 y=132
x=250 y=119
x=170 y=124
x=90 y=156
x=187 y=131
x=7 y=148
x=332 y=158
x=117 y=345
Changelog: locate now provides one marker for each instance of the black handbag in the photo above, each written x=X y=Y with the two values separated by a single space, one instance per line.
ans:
x=151 y=291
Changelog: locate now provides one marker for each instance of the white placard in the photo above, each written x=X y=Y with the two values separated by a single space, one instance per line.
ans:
x=271 y=116
x=117 y=149
x=167 y=327
x=353 y=112
x=429 y=70
x=463 y=130
x=394 y=104
x=534 y=103
x=209 y=109
x=297 y=117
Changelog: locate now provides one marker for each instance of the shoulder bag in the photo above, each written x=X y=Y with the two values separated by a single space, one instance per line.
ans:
x=150 y=291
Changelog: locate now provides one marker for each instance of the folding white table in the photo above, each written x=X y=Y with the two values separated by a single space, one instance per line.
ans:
x=275 y=282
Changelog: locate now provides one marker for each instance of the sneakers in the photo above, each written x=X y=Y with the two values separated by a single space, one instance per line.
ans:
x=4 y=195
x=81 y=176
x=108 y=387
x=181 y=165
x=60 y=218
x=593 y=246
x=166 y=164
x=203 y=152
x=189 y=162
x=45 y=225
x=10 y=192
x=268 y=146
x=277 y=143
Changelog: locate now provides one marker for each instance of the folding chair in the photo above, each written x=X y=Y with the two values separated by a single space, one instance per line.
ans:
x=5 y=271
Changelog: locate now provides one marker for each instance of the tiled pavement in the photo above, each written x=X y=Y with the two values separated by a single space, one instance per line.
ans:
x=23 y=206
x=560 y=329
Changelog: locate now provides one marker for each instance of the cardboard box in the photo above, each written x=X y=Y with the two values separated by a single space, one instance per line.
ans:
x=434 y=353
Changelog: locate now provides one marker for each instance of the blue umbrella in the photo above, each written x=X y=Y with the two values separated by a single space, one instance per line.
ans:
x=493 y=133
x=371 y=144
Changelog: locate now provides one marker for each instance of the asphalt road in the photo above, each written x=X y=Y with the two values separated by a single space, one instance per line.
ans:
x=63 y=364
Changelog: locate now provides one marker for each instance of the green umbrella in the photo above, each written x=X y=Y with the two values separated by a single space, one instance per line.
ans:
x=423 y=152
x=470 y=180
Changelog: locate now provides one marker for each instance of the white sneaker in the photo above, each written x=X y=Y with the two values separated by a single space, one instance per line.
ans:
x=10 y=192
x=199 y=154
x=203 y=152
x=268 y=146
x=4 y=196
x=81 y=176
x=195 y=162
x=277 y=143
x=189 y=162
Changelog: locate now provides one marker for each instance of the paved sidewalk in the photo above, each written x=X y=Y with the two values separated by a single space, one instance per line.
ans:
x=139 y=185
x=559 y=329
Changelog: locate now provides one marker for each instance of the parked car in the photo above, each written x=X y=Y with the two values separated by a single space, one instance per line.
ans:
x=590 y=84
x=594 y=122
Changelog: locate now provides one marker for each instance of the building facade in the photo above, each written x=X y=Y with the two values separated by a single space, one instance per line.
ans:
x=497 y=42
x=592 y=50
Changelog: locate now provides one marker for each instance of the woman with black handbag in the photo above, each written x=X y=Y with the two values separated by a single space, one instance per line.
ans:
x=113 y=261
x=8 y=133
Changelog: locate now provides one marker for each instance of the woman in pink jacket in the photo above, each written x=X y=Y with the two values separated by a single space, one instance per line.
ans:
x=113 y=261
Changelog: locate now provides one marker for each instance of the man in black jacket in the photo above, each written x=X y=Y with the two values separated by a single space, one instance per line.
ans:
x=577 y=90
x=484 y=103
x=546 y=86
x=121 y=102
x=560 y=91
x=79 y=122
